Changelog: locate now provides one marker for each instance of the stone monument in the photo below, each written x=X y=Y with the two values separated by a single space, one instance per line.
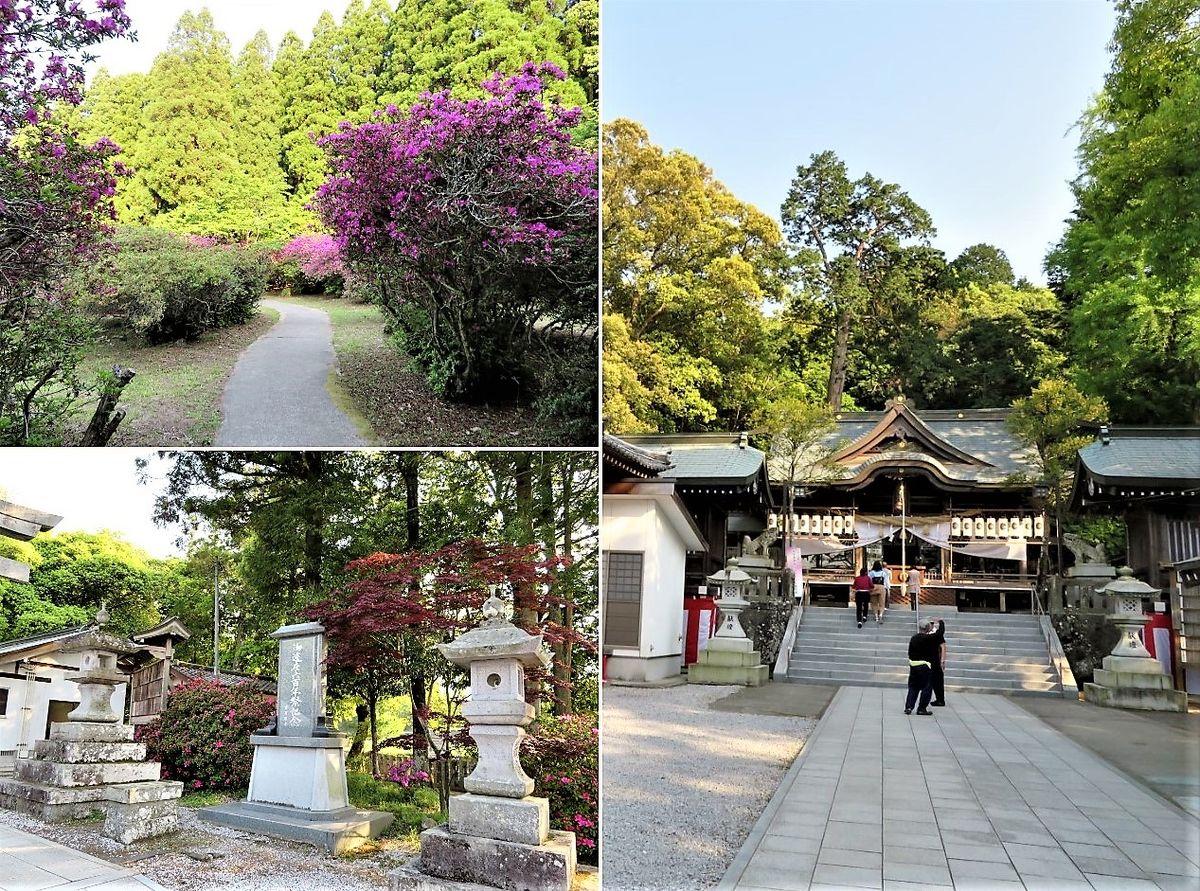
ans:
x=90 y=760
x=298 y=777
x=1131 y=677
x=499 y=834
x=730 y=657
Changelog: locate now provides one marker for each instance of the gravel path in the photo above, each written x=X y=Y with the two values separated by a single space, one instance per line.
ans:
x=245 y=863
x=276 y=395
x=683 y=784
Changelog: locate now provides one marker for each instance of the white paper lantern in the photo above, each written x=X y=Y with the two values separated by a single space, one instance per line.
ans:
x=772 y=521
x=956 y=530
x=979 y=528
x=1002 y=527
x=1039 y=527
x=804 y=524
x=827 y=525
x=838 y=525
x=1027 y=526
x=849 y=525
x=990 y=526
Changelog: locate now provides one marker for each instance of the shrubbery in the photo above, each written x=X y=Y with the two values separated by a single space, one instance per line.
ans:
x=309 y=264
x=562 y=755
x=169 y=287
x=203 y=735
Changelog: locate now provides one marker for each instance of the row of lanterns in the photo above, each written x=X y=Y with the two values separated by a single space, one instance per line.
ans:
x=813 y=524
x=997 y=527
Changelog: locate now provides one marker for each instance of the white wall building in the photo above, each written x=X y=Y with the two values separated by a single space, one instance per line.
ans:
x=647 y=533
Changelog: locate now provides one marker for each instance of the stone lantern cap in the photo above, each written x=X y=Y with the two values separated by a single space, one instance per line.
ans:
x=730 y=573
x=100 y=640
x=496 y=638
x=1125 y=585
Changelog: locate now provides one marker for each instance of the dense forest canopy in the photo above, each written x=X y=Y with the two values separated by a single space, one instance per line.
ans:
x=222 y=142
x=713 y=313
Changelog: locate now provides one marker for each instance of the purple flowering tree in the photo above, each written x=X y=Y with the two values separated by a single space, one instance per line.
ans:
x=55 y=205
x=476 y=220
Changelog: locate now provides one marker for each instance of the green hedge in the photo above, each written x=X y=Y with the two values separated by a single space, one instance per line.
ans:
x=170 y=287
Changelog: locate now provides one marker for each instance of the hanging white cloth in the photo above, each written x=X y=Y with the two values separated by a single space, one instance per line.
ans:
x=938 y=533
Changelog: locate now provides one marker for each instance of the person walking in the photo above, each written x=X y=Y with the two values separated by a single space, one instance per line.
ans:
x=887 y=586
x=878 y=592
x=939 y=665
x=913 y=586
x=860 y=588
x=922 y=653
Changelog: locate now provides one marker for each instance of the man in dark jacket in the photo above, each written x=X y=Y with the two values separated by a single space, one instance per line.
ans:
x=939 y=664
x=923 y=652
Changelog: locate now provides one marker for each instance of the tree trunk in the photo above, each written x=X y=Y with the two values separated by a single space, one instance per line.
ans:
x=314 y=523
x=524 y=605
x=105 y=419
x=363 y=713
x=837 y=366
x=372 y=706
x=563 y=664
x=410 y=469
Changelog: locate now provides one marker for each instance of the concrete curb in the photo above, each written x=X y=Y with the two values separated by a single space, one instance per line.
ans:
x=734 y=873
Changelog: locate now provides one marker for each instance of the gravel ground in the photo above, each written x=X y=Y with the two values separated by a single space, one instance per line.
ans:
x=683 y=784
x=245 y=863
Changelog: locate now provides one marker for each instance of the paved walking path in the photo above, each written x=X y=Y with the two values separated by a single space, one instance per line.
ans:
x=276 y=396
x=29 y=863
x=984 y=795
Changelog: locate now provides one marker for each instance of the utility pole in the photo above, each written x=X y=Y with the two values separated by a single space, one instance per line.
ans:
x=216 y=621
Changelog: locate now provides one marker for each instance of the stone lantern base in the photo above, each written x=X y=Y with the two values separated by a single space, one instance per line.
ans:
x=1133 y=682
x=451 y=860
x=729 y=660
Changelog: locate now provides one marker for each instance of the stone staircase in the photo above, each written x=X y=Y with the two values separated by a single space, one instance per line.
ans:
x=986 y=652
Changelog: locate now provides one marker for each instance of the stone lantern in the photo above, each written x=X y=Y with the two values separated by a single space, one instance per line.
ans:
x=1131 y=677
x=98 y=673
x=498 y=833
x=730 y=657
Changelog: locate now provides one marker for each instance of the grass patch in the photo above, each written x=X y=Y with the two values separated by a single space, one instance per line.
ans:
x=412 y=806
x=95 y=815
x=175 y=400
x=210 y=799
x=398 y=402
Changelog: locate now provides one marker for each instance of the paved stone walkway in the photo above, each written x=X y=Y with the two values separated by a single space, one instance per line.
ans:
x=984 y=795
x=276 y=396
x=29 y=863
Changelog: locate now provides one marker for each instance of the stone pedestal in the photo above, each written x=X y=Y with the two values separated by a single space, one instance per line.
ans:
x=726 y=661
x=141 y=810
x=498 y=834
x=298 y=777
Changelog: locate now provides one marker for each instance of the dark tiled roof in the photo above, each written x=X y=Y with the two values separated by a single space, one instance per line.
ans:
x=634 y=460
x=1168 y=457
x=228 y=678
x=706 y=457
x=12 y=646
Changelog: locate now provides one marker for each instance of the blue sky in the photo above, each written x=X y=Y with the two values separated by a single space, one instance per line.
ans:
x=969 y=105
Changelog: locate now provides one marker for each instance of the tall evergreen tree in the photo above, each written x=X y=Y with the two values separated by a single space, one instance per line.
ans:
x=114 y=108
x=258 y=207
x=187 y=156
x=310 y=106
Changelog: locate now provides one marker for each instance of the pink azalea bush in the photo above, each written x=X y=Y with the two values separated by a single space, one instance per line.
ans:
x=562 y=755
x=406 y=773
x=310 y=264
x=475 y=219
x=203 y=735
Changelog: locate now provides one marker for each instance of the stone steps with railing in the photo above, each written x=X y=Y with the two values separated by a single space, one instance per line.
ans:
x=999 y=653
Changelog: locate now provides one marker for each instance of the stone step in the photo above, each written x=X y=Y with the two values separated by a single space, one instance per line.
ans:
x=892 y=625
x=1000 y=680
x=828 y=645
x=56 y=773
x=846 y=660
x=885 y=653
x=69 y=752
x=950 y=688
x=974 y=620
x=878 y=669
